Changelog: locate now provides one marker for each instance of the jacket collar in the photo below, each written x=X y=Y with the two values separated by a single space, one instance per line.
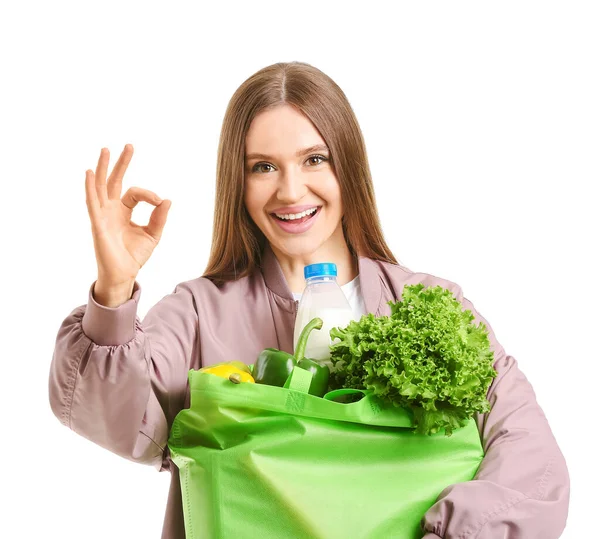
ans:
x=369 y=276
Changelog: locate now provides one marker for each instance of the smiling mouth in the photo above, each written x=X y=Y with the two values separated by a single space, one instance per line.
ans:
x=302 y=219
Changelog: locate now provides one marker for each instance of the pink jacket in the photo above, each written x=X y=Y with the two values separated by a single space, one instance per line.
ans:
x=120 y=382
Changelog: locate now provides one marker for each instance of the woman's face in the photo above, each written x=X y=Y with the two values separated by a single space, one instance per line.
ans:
x=289 y=181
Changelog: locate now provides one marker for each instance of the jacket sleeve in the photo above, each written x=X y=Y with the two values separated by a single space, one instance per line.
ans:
x=522 y=487
x=120 y=382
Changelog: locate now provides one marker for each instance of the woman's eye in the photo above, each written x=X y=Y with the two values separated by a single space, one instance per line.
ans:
x=323 y=159
x=256 y=168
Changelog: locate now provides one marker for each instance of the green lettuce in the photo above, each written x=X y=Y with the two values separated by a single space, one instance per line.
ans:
x=427 y=356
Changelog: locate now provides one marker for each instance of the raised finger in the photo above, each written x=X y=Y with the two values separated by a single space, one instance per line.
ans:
x=115 y=180
x=91 y=197
x=101 y=175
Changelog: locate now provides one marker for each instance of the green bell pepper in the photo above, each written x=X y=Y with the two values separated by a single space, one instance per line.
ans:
x=274 y=366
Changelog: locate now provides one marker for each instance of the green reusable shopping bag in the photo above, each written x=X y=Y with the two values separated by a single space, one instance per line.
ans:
x=264 y=462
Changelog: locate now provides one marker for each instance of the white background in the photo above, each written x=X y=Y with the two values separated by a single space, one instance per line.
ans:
x=482 y=124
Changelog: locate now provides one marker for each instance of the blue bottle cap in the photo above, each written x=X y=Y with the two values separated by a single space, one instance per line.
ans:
x=320 y=270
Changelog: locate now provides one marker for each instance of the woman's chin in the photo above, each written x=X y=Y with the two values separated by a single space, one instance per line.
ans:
x=296 y=246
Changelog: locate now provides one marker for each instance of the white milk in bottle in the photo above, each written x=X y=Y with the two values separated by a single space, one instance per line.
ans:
x=321 y=298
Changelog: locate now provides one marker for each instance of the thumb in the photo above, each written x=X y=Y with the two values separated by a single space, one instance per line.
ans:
x=158 y=218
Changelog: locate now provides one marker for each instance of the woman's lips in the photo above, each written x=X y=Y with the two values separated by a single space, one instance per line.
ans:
x=294 y=209
x=293 y=227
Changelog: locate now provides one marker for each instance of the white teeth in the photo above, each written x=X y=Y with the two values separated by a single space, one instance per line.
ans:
x=292 y=216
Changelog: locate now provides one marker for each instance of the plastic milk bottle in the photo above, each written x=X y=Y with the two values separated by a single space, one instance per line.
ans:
x=324 y=298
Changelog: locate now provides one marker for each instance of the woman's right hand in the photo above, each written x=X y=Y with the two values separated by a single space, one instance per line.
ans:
x=122 y=247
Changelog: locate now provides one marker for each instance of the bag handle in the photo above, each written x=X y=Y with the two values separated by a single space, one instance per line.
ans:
x=370 y=410
x=299 y=380
x=336 y=393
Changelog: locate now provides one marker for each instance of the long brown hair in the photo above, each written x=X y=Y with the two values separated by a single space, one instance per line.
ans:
x=237 y=242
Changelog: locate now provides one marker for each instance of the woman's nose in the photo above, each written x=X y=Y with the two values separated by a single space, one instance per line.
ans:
x=290 y=186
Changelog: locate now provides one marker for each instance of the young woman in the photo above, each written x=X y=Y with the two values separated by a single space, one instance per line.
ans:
x=293 y=188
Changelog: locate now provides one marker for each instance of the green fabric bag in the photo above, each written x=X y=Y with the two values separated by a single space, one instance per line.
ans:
x=265 y=462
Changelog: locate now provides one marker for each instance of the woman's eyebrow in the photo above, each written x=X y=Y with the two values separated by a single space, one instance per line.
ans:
x=299 y=153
